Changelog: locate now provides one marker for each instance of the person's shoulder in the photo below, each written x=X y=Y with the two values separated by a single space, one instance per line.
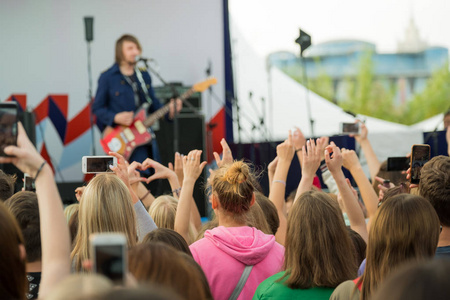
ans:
x=345 y=291
x=110 y=71
x=267 y=287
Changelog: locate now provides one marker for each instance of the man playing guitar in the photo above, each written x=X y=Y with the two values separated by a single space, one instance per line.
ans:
x=122 y=89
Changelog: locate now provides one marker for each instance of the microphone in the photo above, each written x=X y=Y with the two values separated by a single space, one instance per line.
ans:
x=140 y=58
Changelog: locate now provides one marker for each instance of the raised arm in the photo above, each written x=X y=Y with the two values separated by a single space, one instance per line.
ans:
x=192 y=168
x=370 y=198
x=333 y=158
x=55 y=238
x=285 y=153
x=371 y=158
x=310 y=164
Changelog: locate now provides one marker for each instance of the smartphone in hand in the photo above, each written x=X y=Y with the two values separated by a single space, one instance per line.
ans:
x=109 y=255
x=398 y=163
x=97 y=164
x=349 y=128
x=8 y=125
x=420 y=154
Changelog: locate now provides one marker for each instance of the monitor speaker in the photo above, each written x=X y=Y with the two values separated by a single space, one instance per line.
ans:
x=191 y=135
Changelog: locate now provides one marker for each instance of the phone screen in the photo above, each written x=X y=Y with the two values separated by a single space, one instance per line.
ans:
x=99 y=164
x=28 y=184
x=419 y=156
x=398 y=163
x=8 y=126
x=109 y=261
x=348 y=128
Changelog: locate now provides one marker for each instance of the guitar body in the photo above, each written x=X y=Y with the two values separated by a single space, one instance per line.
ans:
x=124 y=140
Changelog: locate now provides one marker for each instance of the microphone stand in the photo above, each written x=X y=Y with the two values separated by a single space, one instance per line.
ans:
x=90 y=101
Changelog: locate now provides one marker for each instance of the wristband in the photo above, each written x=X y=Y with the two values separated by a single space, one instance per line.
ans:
x=39 y=170
x=280 y=181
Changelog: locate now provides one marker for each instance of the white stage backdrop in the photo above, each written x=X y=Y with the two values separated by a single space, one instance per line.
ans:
x=43 y=59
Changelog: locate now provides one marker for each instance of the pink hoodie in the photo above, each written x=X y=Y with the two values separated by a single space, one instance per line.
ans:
x=225 y=251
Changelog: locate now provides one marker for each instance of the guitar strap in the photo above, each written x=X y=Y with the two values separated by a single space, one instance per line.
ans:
x=144 y=87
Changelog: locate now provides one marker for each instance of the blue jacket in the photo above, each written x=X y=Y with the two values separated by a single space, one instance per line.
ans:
x=115 y=95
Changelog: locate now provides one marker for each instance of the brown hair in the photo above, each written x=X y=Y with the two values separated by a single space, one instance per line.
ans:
x=270 y=212
x=13 y=281
x=318 y=247
x=119 y=46
x=435 y=186
x=405 y=228
x=359 y=245
x=160 y=264
x=24 y=206
x=73 y=226
x=416 y=281
x=6 y=185
x=233 y=187
x=257 y=219
x=168 y=237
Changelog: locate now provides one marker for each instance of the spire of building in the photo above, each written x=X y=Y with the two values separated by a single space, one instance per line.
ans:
x=412 y=42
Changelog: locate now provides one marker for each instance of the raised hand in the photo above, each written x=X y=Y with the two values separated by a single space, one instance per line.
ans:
x=322 y=143
x=334 y=160
x=161 y=171
x=192 y=167
x=362 y=133
x=121 y=170
x=350 y=159
x=227 y=156
x=298 y=139
x=24 y=156
x=178 y=168
x=286 y=150
x=311 y=158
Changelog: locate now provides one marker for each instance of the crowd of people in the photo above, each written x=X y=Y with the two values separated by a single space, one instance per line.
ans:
x=396 y=244
x=389 y=241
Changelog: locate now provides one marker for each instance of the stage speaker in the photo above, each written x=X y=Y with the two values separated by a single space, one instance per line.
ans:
x=27 y=120
x=191 y=133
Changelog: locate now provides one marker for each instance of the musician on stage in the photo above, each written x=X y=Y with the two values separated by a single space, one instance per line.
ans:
x=122 y=89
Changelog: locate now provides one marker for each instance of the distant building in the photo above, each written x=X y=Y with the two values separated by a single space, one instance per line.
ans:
x=407 y=70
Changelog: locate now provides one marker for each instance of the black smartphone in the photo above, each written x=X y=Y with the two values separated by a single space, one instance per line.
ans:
x=8 y=125
x=398 y=163
x=350 y=128
x=420 y=154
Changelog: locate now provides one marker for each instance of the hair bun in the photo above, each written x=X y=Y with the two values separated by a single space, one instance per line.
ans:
x=237 y=173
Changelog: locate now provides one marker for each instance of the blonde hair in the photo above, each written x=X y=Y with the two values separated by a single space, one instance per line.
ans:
x=232 y=185
x=163 y=211
x=105 y=206
x=70 y=210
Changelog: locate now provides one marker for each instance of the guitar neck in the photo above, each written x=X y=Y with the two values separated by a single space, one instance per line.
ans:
x=165 y=109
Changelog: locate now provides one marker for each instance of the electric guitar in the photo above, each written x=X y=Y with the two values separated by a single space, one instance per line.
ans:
x=124 y=140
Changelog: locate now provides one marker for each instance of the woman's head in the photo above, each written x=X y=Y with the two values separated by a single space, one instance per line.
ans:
x=405 y=228
x=257 y=219
x=160 y=264
x=105 y=206
x=168 y=237
x=232 y=189
x=163 y=211
x=13 y=282
x=319 y=251
x=270 y=212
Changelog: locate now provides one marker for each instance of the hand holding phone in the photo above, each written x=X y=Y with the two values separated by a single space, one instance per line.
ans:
x=109 y=255
x=8 y=125
x=98 y=164
x=420 y=154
